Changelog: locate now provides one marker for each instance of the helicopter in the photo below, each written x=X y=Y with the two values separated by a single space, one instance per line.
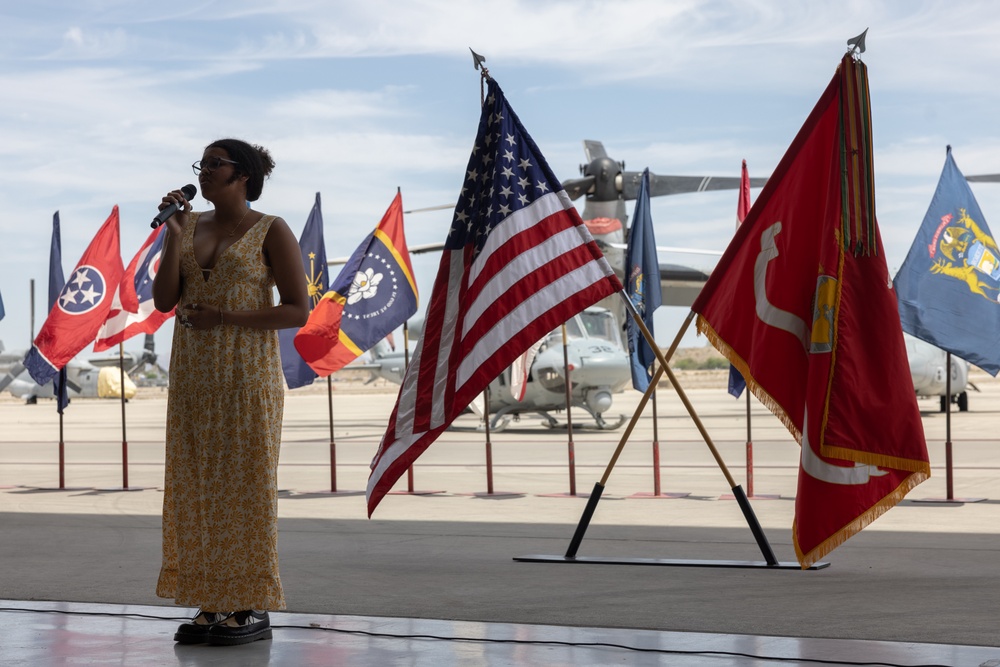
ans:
x=596 y=347
x=607 y=186
x=599 y=368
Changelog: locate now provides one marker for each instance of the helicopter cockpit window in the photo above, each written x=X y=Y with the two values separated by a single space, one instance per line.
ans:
x=600 y=324
x=572 y=331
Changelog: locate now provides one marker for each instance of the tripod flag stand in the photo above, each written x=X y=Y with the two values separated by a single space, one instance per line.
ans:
x=769 y=562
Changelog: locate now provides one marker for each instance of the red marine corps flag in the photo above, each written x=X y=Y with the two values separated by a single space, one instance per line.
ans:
x=803 y=305
x=517 y=263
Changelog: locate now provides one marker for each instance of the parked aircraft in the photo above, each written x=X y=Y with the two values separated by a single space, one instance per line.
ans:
x=98 y=376
x=602 y=350
x=596 y=348
x=927 y=367
x=599 y=368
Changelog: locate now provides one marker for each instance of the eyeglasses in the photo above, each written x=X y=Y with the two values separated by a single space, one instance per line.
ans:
x=211 y=164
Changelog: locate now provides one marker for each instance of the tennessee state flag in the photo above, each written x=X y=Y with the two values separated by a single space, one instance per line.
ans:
x=803 y=305
x=132 y=311
x=82 y=306
x=373 y=295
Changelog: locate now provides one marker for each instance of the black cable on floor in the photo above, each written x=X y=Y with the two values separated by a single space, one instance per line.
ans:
x=528 y=642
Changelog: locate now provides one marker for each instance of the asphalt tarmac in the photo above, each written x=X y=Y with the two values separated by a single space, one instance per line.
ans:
x=927 y=571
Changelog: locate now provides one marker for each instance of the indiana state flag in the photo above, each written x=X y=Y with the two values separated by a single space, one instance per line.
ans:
x=949 y=284
x=296 y=370
x=373 y=295
x=82 y=305
x=642 y=285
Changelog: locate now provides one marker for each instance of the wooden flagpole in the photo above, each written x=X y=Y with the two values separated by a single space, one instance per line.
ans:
x=770 y=561
x=595 y=495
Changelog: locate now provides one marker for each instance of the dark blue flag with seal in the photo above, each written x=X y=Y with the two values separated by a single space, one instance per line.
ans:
x=949 y=285
x=642 y=285
x=297 y=371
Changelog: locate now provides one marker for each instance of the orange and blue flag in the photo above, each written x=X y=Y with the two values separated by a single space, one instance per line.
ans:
x=297 y=371
x=373 y=295
x=949 y=284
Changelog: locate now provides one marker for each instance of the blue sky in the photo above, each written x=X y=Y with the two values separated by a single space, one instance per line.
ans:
x=109 y=101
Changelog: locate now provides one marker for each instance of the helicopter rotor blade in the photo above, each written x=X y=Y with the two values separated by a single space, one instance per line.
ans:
x=575 y=187
x=675 y=185
x=439 y=207
x=984 y=178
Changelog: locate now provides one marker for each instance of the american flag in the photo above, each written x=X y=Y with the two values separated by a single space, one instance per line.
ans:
x=518 y=262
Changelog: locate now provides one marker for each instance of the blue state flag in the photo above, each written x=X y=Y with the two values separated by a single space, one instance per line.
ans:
x=949 y=284
x=642 y=285
x=2 y=311
x=297 y=371
x=57 y=281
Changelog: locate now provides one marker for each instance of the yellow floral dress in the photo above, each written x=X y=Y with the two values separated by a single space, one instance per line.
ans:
x=224 y=411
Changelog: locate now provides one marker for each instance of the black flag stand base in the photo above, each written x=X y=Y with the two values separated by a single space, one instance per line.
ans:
x=769 y=562
x=672 y=562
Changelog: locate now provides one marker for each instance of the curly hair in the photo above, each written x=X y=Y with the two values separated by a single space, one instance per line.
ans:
x=252 y=161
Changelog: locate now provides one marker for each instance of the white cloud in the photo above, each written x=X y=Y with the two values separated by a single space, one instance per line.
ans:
x=110 y=101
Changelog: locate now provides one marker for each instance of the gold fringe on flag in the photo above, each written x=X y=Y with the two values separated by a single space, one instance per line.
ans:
x=858 y=524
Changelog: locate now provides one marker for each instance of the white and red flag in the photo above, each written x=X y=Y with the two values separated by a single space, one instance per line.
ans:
x=517 y=263
x=132 y=311
x=803 y=304
x=82 y=306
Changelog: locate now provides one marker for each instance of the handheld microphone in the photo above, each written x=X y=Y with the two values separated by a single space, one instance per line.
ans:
x=189 y=192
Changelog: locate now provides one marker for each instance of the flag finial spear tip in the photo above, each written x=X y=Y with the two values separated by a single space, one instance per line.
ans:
x=857 y=43
x=948 y=148
x=477 y=60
